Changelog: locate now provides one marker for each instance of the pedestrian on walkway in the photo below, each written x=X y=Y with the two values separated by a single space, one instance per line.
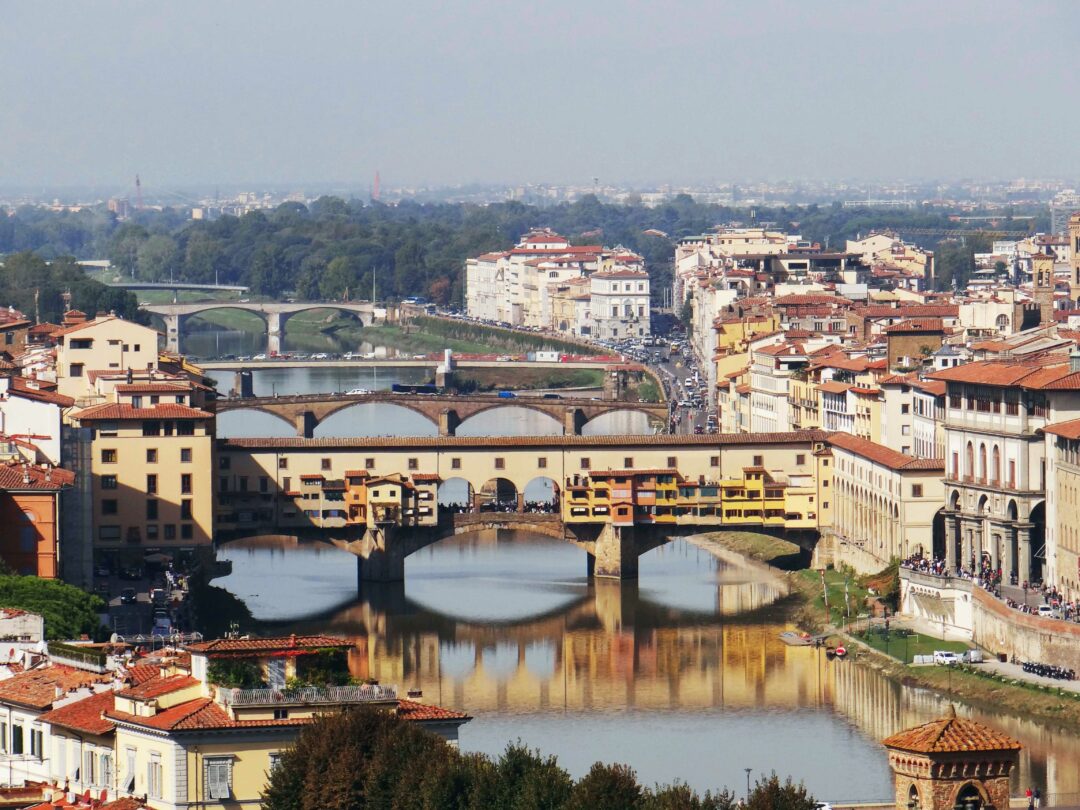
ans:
x=1038 y=797
x=1030 y=799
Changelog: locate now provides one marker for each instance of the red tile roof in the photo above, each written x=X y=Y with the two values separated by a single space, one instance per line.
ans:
x=951 y=734
x=880 y=454
x=37 y=688
x=1067 y=430
x=426 y=477
x=155 y=687
x=834 y=387
x=116 y=410
x=1005 y=374
x=917 y=325
x=422 y=712
x=84 y=715
x=39 y=392
x=140 y=673
x=15 y=477
x=152 y=388
x=255 y=646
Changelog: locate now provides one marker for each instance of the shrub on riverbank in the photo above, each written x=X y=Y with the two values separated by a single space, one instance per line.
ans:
x=368 y=758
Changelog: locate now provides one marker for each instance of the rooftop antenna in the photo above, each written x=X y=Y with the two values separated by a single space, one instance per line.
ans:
x=138 y=194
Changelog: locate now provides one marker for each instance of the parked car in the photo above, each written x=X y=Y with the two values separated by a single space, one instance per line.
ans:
x=1047 y=612
x=946 y=658
x=128 y=596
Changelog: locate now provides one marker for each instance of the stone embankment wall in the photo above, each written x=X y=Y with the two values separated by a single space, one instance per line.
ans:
x=963 y=606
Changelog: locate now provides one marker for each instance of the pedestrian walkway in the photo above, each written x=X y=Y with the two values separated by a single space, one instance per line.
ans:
x=1016 y=672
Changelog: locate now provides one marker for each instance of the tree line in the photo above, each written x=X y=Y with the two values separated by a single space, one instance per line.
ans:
x=369 y=758
x=335 y=248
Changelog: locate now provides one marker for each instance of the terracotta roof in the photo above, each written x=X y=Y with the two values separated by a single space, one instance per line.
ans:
x=27 y=389
x=426 y=477
x=140 y=673
x=484 y=442
x=935 y=387
x=1012 y=374
x=116 y=410
x=421 y=712
x=951 y=734
x=38 y=687
x=357 y=474
x=910 y=311
x=917 y=325
x=155 y=687
x=15 y=477
x=84 y=715
x=834 y=387
x=153 y=388
x=1067 y=430
x=880 y=454
x=629 y=473
x=44 y=328
x=255 y=646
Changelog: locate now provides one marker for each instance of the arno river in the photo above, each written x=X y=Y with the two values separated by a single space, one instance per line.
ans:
x=682 y=675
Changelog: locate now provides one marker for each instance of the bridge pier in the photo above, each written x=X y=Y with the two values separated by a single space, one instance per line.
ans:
x=305 y=424
x=573 y=421
x=274 y=323
x=379 y=558
x=172 y=333
x=448 y=422
x=615 y=554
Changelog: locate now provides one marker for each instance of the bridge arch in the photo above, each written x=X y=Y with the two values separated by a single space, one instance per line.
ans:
x=541 y=494
x=182 y=324
x=253 y=422
x=515 y=418
x=343 y=309
x=455 y=493
x=628 y=420
x=498 y=495
x=358 y=419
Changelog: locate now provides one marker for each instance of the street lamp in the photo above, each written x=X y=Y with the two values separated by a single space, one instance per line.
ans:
x=748 y=770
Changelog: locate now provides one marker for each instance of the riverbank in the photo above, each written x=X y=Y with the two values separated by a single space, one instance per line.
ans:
x=975 y=686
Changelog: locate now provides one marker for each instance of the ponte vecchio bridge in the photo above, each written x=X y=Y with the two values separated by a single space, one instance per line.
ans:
x=307 y=411
x=615 y=497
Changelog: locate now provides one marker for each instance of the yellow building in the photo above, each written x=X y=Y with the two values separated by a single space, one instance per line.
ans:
x=106 y=343
x=152 y=470
x=1063 y=507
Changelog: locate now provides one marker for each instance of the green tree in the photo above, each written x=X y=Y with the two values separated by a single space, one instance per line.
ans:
x=770 y=793
x=157 y=258
x=204 y=258
x=69 y=612
x=607 y=787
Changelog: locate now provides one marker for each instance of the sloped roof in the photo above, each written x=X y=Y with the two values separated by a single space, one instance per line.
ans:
x=84 y=715
x=38 y=687
x=1001 y=373
x=951 y=734
x=254 y=646
x=880 y=454
x=116 y=410
x=16 y=477
x=155 y=687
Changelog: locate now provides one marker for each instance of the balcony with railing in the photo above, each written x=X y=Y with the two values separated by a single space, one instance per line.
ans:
x=307 y=696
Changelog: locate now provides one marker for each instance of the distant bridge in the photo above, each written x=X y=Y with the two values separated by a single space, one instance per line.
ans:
x=275 y=314
x=176 y=285
x=306 y=411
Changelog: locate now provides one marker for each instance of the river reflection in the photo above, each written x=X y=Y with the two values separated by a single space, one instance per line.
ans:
x=682 y=675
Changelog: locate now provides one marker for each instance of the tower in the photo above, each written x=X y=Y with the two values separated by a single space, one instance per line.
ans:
x=1042 y=284
x=138 y=193
x=1074 y=257
x=952 y=762
x=375 y=190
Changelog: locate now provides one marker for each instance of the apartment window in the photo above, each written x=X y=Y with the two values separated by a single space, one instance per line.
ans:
x=35 y=742
x=151 y=455
x=824 y=504
x=151 y=484
x=286 y=483
x=108 y=429
x=275 y=761
x=154 y=776
x=714 y=461
x=218 y=777
x=282 y=462
x=264 y=484
x=129 y=774
x=905 y=430
x=500 y=463
x=170 y=531
x=185 y=483
x=1012 y=471
x=455 y=464
x=223 y=483
x=414 y=464
x=954 y=401
x=16 y=739
x=151 y=510
x=369 y=463
x=800 y=459
x=759 y=461
x=108 y=482
x=281 y=714
x=151 y=428
x=185 y=455
x=672 y=461
x=628 y=462
x=243 y=480
x=185 y=509
x=75 y=370
x=3 y=738
x=106 y=770
x=916 y=490
x=185 y=427
x=109 y=506
x=186 y=532
x=108 y=532
x=108 y=456
x=325 y=464
x=586 y=463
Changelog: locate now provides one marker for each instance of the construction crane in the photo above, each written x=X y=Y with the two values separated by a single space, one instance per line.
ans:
x=138 y=193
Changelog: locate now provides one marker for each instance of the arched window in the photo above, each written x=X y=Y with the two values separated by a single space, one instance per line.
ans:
x=982 y=463
x=1002 y=323
x=969 y=461
x=997 y=466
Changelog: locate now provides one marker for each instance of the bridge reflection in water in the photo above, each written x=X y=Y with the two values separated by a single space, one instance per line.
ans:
x=507 y=648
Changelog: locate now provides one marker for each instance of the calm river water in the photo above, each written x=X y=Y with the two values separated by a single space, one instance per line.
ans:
x=682 y=675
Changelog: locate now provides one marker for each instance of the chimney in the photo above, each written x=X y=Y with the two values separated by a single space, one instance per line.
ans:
x=130 y=376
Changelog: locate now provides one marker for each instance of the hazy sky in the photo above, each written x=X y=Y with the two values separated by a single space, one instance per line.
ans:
x=187 y=92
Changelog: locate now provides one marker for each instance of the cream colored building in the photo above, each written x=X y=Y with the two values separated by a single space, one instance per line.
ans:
x=1063 y=507
x=884 y=502
x=106 y=343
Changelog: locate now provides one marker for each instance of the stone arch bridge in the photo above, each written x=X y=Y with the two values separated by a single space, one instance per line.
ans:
x=275 y=314
x=307 y=411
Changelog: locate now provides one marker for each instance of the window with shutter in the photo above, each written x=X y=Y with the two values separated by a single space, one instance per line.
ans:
x=218 y=778
x=129 y=779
